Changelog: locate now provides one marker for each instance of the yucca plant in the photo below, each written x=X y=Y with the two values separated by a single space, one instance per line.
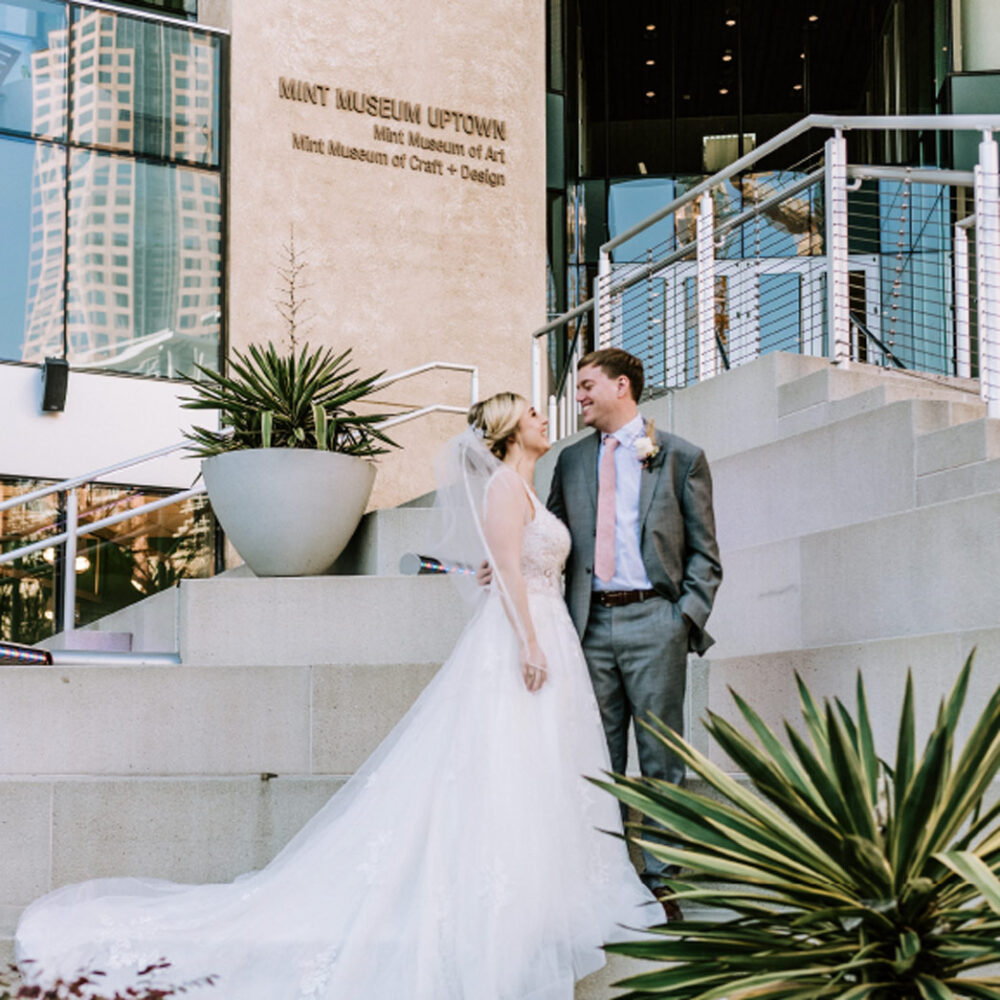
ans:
x=297 y=400
x=838 y=874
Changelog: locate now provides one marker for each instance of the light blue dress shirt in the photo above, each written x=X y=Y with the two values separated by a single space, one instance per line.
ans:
x=630 y=574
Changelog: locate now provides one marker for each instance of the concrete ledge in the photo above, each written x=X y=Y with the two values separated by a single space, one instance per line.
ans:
x=767 y=681
x=384 y=536
x=974 y=441
x=323 y=619
x=952 y=484
x=184 y=829
x=933 y=569
x=154 y=720
x=354 y=708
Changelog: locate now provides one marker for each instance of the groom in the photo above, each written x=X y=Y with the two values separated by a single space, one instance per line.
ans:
x=644 y=565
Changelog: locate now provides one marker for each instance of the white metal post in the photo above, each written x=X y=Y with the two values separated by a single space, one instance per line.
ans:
x=553 y=419
x=705 y=250
x=69 y=563
x=602 y=300
x=838 y=300
x=988 y=271
x=536 y=374
x=963 y=325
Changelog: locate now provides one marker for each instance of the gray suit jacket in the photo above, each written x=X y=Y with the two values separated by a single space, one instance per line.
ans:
x=677 y=534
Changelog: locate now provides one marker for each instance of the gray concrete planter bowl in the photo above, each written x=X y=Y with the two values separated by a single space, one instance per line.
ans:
x=288 y=512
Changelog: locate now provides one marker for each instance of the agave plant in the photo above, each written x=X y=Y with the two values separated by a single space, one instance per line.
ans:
x=298 y=400
x=838 y=874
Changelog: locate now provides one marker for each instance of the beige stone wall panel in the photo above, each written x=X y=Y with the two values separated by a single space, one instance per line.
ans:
x=403 y=266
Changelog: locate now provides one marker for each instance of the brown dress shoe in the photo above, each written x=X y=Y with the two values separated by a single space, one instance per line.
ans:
x=671 y=908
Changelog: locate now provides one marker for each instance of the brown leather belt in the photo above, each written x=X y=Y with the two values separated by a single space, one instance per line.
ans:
x=617 y=598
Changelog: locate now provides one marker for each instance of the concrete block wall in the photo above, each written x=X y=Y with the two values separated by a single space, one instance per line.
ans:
x=856 y=511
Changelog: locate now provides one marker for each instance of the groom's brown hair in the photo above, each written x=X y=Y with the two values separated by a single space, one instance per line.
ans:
x=614 y=362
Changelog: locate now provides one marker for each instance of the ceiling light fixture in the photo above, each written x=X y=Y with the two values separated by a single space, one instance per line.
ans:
x=797 y=86
x=727 y=57
x=651 y=27
x=650 y=62
x=651 y=93
x=642 y=168
x=730 y=22
x=814 y=17
x=723 y=90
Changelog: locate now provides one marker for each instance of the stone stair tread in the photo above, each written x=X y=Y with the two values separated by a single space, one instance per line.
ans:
x=832 y=383
x=972 y=479
x=962 y=444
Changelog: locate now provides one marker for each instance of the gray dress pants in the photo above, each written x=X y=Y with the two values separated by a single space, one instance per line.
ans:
x=637 y=655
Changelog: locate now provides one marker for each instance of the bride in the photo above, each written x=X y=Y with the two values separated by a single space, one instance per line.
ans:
x=465 y=859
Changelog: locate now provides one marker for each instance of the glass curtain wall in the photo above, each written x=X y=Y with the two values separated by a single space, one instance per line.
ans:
x=112 y=203
x=658 y=94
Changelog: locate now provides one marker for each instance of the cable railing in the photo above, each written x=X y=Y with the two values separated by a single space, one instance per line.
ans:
x=71 y=528
x=883 y=265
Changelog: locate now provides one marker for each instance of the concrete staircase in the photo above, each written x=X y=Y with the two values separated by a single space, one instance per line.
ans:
x=857 y=513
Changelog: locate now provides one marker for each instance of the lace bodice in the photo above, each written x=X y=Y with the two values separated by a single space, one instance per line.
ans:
x=544 y=551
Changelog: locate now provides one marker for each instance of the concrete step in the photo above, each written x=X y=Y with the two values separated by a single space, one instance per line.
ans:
x=850 y=471
x=345 y=619
x=214 y=720
x=963 y=481
x=384 y=536
x=963 y=406
x=838 y=383
x=272 y=621
x=955 y=447
x=767 y=681
x=927 y=569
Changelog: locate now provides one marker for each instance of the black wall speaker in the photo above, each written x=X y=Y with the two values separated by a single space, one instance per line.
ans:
x=55 y=376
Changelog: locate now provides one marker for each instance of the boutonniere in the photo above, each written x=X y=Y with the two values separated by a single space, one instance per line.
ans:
x=646 y=448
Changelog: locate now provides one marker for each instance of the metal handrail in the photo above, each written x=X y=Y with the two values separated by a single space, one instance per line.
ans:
x=859 y=324
x=901 y=123
x=613 y=280
x=90 y=477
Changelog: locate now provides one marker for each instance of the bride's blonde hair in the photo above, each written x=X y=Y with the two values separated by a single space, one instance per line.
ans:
x=496 y=419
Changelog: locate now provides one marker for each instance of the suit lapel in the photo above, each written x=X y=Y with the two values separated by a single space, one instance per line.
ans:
x=649 y=480
x=588 y=467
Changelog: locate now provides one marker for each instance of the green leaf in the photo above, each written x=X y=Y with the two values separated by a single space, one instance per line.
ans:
x=933 y=989
x=266 y=428
x=973 y=869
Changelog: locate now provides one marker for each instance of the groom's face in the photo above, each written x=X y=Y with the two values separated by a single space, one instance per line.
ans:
x=605 y=403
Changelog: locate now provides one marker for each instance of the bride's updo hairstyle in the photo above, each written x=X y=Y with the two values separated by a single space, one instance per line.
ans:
x=496 y=419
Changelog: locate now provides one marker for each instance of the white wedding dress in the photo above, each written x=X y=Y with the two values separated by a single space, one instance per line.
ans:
x=464 y=861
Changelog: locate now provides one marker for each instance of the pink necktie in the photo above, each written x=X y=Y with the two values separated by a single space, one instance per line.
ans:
x=604 y=544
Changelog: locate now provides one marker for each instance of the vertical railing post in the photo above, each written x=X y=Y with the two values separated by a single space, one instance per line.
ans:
x=838 y=300
x=553 y=419
x=602 y=300
x=988 y=271
x=69 y=563
x=536 y=373
x=705 y=251
x=963 y=316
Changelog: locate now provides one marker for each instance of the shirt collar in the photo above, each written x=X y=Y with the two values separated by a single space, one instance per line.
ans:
x=630 y=432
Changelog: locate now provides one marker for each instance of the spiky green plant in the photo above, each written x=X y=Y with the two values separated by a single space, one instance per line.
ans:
x=296 y=400
x=840 y=875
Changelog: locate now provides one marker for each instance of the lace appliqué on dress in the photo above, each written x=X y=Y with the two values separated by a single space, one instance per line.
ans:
x=544 y=551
